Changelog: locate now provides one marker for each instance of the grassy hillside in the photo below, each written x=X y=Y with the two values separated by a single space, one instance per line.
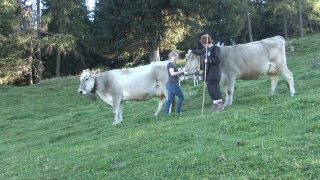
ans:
x=49 y=132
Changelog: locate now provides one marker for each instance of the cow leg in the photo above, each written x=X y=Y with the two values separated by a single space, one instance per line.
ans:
x=195 y=80
x=223 y=82
x=162 y=100
x=226 y=100
x=289 y=78
x=120 y=113
x=230 y=90
x=116 y=110
x=116 y=116
x=228 y=83
x=274 y=82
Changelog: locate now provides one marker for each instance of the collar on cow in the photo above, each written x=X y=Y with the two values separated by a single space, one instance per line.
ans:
x=93 y=90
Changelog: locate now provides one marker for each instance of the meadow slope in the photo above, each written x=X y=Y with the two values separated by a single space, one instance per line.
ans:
x=49 y=132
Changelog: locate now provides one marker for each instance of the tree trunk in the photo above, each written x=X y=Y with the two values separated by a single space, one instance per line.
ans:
x=311 y=27
x=249 y=26
x=285 y=26
x=154 y=54
x=38 y=27
x=38 y=15
x=39 y=67
x=301 y=21
x=30 y=74
x=58 y=63
x=58 y=58
x=27 y=20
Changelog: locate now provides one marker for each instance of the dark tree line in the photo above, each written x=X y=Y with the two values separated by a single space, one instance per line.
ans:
x=58 y=38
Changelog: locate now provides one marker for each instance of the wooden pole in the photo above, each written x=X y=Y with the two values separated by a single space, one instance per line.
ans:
x=205 y=78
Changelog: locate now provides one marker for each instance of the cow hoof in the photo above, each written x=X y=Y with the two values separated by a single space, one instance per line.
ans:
x=227 y=104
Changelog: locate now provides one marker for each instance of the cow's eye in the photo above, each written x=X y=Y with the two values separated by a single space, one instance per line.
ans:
x=86 y=79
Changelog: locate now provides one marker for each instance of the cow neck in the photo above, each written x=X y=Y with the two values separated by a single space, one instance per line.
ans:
x=94 y=89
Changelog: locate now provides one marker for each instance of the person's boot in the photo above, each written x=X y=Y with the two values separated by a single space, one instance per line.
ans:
x=218 y=107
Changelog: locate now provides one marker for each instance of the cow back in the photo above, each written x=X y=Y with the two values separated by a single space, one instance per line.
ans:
x=139 y=83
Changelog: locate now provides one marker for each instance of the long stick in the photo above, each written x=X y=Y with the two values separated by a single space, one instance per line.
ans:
x=205 y=76
x=204 y=86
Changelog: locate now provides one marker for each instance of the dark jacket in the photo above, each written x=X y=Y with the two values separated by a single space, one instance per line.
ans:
x=213 y=72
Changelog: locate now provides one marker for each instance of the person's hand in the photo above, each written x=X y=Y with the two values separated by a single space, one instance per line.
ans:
x=205 y=60
x=184 y=72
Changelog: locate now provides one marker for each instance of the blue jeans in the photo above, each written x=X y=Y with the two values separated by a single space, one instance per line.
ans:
x=174 y=90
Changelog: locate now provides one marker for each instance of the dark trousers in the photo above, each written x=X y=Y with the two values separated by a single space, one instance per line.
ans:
x=174 y=90
x=214 y=90
x=213 y=79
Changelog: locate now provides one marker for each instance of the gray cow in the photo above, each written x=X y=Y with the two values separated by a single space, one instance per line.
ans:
x=115 y=86
x=248 y=62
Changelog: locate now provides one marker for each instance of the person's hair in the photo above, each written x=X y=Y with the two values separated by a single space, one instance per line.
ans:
x=206 y=39
x=173 y=54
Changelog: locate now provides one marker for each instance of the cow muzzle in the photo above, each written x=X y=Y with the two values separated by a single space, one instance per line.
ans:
x=80 y=91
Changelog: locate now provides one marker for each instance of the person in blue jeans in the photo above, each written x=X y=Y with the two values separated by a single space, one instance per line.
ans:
x=173 y=83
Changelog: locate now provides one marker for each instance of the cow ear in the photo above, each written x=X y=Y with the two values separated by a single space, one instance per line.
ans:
x=85 y=70
x=95 y=72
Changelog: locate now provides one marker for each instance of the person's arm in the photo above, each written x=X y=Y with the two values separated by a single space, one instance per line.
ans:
x=197 y=52
x=216 y=57
x=171 y=70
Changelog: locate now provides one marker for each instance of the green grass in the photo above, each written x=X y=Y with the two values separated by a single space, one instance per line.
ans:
x=49 y=132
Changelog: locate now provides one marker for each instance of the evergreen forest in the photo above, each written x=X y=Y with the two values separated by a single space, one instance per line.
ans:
x=48 y=38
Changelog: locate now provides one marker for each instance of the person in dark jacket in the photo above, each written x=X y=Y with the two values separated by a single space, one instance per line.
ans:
x=211 y=55
x=173 y=83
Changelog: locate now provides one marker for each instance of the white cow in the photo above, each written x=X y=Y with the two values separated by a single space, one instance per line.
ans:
x=196 y=76
x=192 y=69
x=116 y=86
x=248 y=62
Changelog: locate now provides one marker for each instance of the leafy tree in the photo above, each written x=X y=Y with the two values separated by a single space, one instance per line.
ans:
x=16 y=32
x=229 y=20
x=312 y=15
x=144 y=26
x=67 y=28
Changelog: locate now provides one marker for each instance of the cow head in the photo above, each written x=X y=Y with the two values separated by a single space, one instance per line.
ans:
x=87 y=82
x=192 y=63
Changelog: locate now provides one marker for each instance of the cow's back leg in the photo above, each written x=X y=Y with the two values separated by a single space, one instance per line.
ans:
x=223 y=82
x=274 y=81
x=289 y=78
x=229 y=89
x=162 y=100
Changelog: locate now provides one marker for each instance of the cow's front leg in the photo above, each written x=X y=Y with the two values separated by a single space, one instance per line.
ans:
x=116 y=116
x=116 y=111
x=120 y=113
